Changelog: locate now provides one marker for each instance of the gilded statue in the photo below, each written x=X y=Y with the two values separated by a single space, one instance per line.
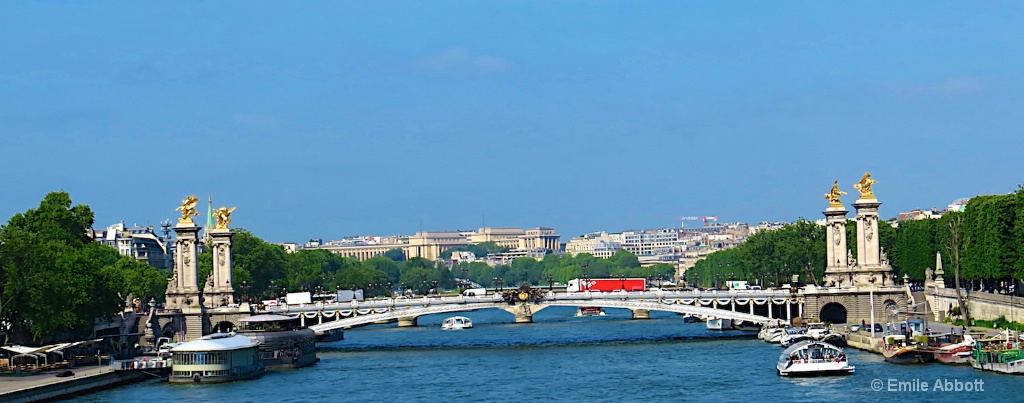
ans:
x=223 y=215
x=833 y=196
x=188 y=210
x=864 y=186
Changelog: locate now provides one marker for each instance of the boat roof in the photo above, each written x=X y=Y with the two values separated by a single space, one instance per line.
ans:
x=805 y=344
x=267 y=318
x=216 y=343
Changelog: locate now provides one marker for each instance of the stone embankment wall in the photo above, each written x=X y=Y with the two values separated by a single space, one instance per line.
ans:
x=981 y=305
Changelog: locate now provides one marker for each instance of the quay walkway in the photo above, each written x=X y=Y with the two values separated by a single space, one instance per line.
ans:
x=48 y=386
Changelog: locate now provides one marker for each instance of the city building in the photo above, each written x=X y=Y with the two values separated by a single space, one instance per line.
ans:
x=139 y=243
x=599 y=244
x=430 y=244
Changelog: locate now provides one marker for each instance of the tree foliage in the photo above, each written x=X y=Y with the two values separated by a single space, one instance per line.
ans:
x=55 y=280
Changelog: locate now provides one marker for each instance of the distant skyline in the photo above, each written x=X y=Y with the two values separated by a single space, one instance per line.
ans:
x=327 y=119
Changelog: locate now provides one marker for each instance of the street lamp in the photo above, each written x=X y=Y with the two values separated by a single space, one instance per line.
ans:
x=623 y=278
x=245 y=291
x=498 y=282
x=551 y=282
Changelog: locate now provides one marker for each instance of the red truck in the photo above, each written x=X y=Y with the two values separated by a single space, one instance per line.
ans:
x=606 y=284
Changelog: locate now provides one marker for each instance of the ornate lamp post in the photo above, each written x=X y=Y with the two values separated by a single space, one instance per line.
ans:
x=551 y=282
x=622 y=277
x=498 y=282
x=245 y=291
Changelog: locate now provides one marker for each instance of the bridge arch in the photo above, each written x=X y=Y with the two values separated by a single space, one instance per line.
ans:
x=833 y=312
x=224 y=327
x=168 y=330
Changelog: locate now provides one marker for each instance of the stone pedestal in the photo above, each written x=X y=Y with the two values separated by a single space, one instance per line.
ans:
x=871 y=268
x=641 y=314
x=868 y=251
x=836 y=250
x=182 y=290
x=219 y=290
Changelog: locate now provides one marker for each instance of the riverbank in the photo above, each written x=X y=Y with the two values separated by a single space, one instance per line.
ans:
x=862 y=340
x=48 y=386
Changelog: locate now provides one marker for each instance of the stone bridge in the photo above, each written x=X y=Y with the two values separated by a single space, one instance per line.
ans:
x=751 y=306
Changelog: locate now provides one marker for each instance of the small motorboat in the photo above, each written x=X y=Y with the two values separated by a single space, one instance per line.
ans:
x=813 y=358
x=772 y=331
x=793 y=335
x=746 y=326
x=456 y=322
x=691 y=319
x=834 y=339
x=590 y=311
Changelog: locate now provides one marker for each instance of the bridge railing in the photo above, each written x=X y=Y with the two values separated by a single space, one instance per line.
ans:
x=403 y=302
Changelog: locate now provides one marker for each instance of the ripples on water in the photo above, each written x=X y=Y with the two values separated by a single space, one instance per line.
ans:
x=560 y=358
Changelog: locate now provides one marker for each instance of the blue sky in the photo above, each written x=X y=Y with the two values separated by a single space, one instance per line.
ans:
x=326 y=119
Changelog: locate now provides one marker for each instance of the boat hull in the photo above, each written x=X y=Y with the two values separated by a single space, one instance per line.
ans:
x=818 y=372
x=909 y=356
x=1013 y=367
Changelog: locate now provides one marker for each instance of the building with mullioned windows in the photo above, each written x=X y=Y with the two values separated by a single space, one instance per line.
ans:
x=139 y=243
x=430 y=244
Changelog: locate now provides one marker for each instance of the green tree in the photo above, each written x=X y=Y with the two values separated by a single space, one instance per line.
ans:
x=52 y=276
x=386 y=265
x=396 y=255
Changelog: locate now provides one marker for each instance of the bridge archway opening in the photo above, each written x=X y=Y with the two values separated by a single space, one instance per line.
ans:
x=169 y=330
x=833 y=312
x=224 y=327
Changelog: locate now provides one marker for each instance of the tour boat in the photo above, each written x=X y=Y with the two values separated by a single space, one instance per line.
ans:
x=999 y=354
x=794 y=335
x=219 y=357
x=456 y=322
x=590 y=311
x=715 y=323
x=283 y=342
x=897 y=350
x=812 y=358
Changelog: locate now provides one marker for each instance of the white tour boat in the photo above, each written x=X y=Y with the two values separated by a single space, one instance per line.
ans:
x=811 y=358
x=219 y=357
x=456 y=322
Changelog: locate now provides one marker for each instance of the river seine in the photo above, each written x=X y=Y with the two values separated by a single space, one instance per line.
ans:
x=564 y=358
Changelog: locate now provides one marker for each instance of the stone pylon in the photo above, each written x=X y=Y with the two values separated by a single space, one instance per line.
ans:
x=836 y=249
x=182 y=289
x=219 y=289
x=872 y=267
x=939 y=281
